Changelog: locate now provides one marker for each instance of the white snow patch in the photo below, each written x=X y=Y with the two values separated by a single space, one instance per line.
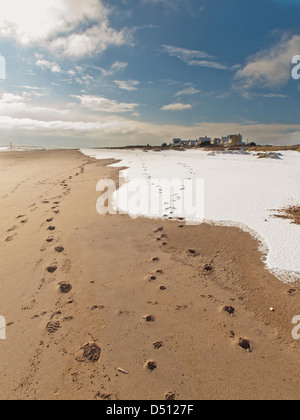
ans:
x=240 y=190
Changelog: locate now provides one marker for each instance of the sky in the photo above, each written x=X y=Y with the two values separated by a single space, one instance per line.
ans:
x=94 y=73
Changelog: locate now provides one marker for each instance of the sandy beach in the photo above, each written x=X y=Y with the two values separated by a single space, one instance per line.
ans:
x=109 y=307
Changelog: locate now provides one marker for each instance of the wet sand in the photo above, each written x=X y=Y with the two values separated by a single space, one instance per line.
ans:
x=106 y=307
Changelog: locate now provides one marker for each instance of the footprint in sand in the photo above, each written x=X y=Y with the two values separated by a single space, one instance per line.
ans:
x=158 y=345
x=153 y=259
x=291 y=292
x=151 y=365
x=53 y=327
x=149 y=318
x=51 y=228
x=12 y=229
x=49 y=220
x=51 y=269
x=207 y=268
x=170 y=396
x=88 y=353
x=150 y=278
x=65 y=287
x=21 y=216
x=95 y=307
x=244 y=344
x=160 y=229
x=49 y=240
x=229 y=309
x=192 y=252
x=59 y=249
x=10 y=238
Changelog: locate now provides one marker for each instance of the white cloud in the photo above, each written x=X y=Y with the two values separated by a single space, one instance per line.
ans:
x=101 y=104
x=188 y=91
x=129 y=85
x=185 y=54
x=195 y=57
x=22 y=105
x=114 y=68
x=271 y=67
x=94 y=40
x=74 y=28
x=45 y=64
x=79 y=76
x=8 y=98
x=176 y=107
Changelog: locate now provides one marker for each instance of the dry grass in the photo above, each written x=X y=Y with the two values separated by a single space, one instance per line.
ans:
x=273 y=148
x=291 y=213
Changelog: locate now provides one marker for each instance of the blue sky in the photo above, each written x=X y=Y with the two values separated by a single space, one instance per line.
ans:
x=100 y=73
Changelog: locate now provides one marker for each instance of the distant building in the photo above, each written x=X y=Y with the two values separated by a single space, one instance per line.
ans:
x=225 y=141
x=176 y=142
x=235 y=140
x=193 y=143
x=204 y=140
x=185 y=142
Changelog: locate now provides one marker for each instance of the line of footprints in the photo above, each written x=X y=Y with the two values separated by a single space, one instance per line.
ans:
x=151 y=365
x=207 y=268
x=64 y=287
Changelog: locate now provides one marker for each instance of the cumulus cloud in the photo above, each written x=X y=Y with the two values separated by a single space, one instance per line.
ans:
x=73 y=28
x=176 y=107
x=114 y=68
x=129 y=85
x=271 y=67
x=22 y=105
x=45 y=64
x=102 y=104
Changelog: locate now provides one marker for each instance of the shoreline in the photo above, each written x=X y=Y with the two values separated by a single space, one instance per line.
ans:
x=116 y=286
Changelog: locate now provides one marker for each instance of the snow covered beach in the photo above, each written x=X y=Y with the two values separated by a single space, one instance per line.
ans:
x=240 y=190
